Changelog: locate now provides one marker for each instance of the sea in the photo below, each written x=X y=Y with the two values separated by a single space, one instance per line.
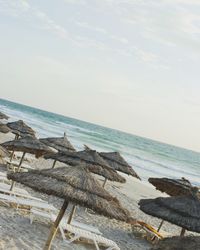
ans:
x=148 y=158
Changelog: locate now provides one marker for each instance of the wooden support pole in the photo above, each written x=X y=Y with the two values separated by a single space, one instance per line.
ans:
x=54 y=163
x=54 y=227
x=104 y=183
x=18 y=169
x=71 y=214
x=160 y=225
x=11 y=157
x=182 y=232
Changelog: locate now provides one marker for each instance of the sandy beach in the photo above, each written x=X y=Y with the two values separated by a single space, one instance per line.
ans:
x=16 y=232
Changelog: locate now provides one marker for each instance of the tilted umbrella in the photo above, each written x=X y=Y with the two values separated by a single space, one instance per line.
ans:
x=3 y=116
x=183 y=211
x=62 y=144
x=20 y=128
x=178 y=243
x=117 y=162
x=27 y=145
x=74 y=185
x=172 y=187
x=91 y=159
x=4 y=128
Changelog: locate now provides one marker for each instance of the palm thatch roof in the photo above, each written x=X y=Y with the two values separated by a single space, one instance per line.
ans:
x=178 y=243
x=3 y=116
x=91 y=159
x=173 y=187
x=4 y=128
x=3 y=152
x=28 y=145
x=60 y=143
x=75 y=185
x=20 y=128
x=183 y=211
x=117 y=162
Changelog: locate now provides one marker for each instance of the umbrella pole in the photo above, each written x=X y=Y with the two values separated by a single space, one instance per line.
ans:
x=71 y=214
x=182 y=232
x=18 y=169
x=160 y=225
x=54 y=163
x=54 y=227
x=11 y=157
x=104 y=183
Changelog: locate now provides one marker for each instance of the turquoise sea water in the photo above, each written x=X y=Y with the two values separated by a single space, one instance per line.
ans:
x=149 y=158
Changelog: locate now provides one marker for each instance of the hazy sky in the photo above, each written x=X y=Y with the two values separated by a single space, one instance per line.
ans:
x=132 y=65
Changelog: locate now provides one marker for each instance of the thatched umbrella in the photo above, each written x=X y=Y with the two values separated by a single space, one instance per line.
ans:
x=178 y=243
x=91 y=159
x=62 y=144
x=3 y=116
x=20 y=128
x=4 y=128
x=29 y=145
x=183 y=211
x=172 y=187
x=73 y=185
x=117 y=162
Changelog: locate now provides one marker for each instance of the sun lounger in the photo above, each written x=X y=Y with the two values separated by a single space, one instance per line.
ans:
x=14 y=164
x=3 y=177
x=79 y=230
x=26 y=202
x=96 y=239
x=5 y=188
x=18 y=192
x=36 y=212
x=151 y=233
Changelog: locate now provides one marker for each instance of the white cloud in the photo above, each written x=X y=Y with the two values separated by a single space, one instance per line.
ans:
x=14 y=8
x=81 y=2
x=119 y=39
x=91 y=27
x=49 y=24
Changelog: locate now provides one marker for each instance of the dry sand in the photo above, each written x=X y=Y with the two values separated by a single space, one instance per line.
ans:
x=16 y=232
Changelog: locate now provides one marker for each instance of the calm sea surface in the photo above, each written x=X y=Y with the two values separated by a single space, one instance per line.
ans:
x=149 y=158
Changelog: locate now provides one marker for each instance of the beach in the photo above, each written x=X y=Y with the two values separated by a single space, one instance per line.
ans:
x=16 y=232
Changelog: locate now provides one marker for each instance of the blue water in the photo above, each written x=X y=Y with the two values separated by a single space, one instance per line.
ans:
x=149 y=158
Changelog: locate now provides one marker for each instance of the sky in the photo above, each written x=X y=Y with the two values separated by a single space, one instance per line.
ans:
x=131 y=65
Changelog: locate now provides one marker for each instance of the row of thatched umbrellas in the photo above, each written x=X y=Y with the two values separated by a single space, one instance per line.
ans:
x=183 y=209
x=74 y=184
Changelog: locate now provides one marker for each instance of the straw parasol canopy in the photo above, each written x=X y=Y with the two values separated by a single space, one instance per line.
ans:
x=4 y=128
x=172 y=187
x=60 y=143
x=3 y=116
x=117 y=162
x=91 y=159
x=28 y=145
x=73 y=185
x=3 y=152
x=178 y=243
x=20 y=128
x=183 y=211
